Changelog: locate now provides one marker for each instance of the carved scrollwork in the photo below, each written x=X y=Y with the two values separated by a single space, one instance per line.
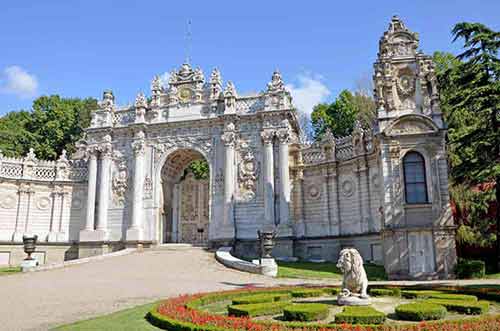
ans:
x=120 y=179
x=248 y=172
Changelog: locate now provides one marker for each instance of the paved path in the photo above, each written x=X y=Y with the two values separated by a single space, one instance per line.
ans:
x=41 y=300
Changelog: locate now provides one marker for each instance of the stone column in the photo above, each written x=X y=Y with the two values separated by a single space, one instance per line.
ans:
x=91 y=191
x=268 y=177
x=135 y=231
x=25 y=190
x=283 y=135
x=229 y=140
x=104 y=181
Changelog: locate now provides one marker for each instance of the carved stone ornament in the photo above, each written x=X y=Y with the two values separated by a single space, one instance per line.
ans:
x=108 y=101
x=8 y=201
x=148 y=188
x=140 y=101
x=411 y=124
x=283 y=135
x=276 y=84
x=120 y=179
x=267 y=136
x=314 y=192
x=406 y=83
x=248 y=171
x=43 y=203
x=215 y=84
x=348 y=187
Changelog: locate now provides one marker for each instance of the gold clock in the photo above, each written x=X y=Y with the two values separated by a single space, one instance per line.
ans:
x=185 y=94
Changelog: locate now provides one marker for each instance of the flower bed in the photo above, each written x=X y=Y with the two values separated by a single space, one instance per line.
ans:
x=261 y=298
x=185 y=314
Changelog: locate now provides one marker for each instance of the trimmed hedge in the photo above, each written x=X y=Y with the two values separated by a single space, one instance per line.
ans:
x=385 y=292
x=470 y=268
x=308 y=293
x=257 y=309
x=419 y=294
x=449 y=296
x=305 y=312
x=420 y=311
x=261 y=298
x=463 y=307
x=360 y=315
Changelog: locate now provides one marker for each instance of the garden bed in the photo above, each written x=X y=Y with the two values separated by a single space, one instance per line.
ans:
x=205 y=312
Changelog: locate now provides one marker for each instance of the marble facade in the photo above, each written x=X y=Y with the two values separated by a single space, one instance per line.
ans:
x=126 y=185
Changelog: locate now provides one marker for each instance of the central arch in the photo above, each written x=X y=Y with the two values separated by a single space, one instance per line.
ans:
x=184 y=198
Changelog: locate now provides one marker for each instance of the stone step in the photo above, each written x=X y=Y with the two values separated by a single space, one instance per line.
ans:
x=177 y=247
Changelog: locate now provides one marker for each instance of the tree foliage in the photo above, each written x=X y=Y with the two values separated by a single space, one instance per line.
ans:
x=470 y=100
x=341 y=115
x=199 y=168
x=52 y=125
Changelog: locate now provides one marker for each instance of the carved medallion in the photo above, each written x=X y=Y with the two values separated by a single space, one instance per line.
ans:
x=8 y=201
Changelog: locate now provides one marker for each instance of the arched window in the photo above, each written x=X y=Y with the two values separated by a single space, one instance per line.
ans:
x=414 y=174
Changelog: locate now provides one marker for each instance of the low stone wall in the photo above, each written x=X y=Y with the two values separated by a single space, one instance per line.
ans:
x=224 y=256
x=11 y=254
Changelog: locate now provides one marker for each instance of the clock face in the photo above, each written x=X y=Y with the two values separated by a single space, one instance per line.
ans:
x=185 y=94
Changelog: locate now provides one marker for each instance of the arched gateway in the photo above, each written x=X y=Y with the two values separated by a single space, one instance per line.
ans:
x=127 y=184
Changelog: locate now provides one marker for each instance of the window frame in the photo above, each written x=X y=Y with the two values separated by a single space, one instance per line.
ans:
x=416 y=183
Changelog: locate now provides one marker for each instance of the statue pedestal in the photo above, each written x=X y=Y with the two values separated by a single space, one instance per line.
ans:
x=269 y=267
x=353 y=300
x=29 y=265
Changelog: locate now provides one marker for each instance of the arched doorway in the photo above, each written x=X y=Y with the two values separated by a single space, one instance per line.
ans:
x=185 y=198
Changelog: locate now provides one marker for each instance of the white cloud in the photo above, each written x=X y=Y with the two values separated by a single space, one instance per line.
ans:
x=16 y=80
x=308 y=92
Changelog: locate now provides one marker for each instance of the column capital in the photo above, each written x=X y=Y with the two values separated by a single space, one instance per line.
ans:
x=283 y=135
x=229 y=138
x=267 y=136
x=139 y=147
x=106 y=150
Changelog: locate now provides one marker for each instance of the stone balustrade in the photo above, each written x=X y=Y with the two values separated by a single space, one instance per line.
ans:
x=30 y=168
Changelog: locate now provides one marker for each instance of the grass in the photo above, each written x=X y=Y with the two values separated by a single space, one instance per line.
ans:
x=324 y=270
x=9 y=270
x=125 y=320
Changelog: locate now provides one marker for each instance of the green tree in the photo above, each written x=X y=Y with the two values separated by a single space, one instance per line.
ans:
x=54 y=124
x=472 y=109
x=199 y=168
x=15 y=139
x=340 y=116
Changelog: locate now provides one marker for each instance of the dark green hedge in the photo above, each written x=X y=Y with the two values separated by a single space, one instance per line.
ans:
x=305 y=312
x=257 y=309
x=470 y=268
x=450 y=296
x=420 y=311
x=419 y=294
x=360 y=315
x=308 y=293
x=166 y=323
x=260 y=298
x=463 y=307
x=385 y=292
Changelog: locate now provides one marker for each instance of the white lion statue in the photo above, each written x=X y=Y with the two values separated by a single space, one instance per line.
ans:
x=355 y=282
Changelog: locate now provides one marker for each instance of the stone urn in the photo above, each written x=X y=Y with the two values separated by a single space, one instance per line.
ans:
x=266 y=240
x=29 y=245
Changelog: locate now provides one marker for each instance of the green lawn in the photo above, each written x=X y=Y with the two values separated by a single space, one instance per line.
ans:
x=324 y=270
x=9 y=270
x=132 y=319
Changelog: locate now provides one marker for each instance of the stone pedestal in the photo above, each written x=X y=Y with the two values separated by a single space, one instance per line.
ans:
x=29 y=265
x=269 y=267
x=353 y=301
x=134 y=234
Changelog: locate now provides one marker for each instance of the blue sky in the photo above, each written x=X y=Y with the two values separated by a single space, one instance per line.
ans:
x=80 y=48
